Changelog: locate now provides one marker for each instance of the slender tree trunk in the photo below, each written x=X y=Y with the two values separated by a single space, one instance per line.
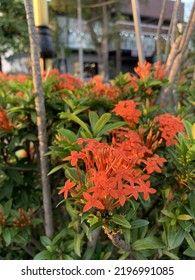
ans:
x=137 y=26
x=175 y=19
x=175 y=59
x=41 y=118
x=105 y=51
x=160 y=23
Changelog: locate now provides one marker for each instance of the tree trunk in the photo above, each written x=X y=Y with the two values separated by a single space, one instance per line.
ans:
x=160 y=23
x=175 y=19
x=175 y=59
x=105 y=51
x=41 y=118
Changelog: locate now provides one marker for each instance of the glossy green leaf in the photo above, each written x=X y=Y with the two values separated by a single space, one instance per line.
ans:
x=170 y=255
x=74 y=118
x=77 y=244
x=148 y=243
x=189 y=252
x=176 y=238
x=120 y=220
x=110 y=126
x=43 y=255
x=58 y=167
x=95 y=226
x=93 y=118
x=139 y=223
x=7 y=207
x=68 y=134
x=188 y=127
x=45 y=241
x=71 y=173
x=190 y=241
x=61 y=235
x=184 y=217
x=7 y=236
x=101 y=123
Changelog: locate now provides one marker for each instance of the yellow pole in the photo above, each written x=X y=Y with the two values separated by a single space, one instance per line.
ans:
x=41 y=12
x=41 y=18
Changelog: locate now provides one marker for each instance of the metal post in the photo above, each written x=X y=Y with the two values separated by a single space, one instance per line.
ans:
x=41 y=18
x=79 y=15
x=137 y=24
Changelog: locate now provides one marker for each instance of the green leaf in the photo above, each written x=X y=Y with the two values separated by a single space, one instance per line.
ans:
x=188 y=127
x=170 y=255
x=94 y=226
x=101 y=123
x=190 y=241
x=93 y=118
x=43 y=255
x=33 y=117
x=45 y=241
x=120 y=220
x=168 y=214
x=59 y=236
x=89 y=253
x=77 y=244
x=74 y=118
x=58 y=167
x=7 y=236
x=189 y=252
x=110 y=127
x=20 y=239
x=191 y=153
x=139 y=223
x=184 y=217
x=68 y=134
x=148 y=243
x=71 y=173
x=80 y=109
x=7 y=207
x=192 y=203
x=176 y=238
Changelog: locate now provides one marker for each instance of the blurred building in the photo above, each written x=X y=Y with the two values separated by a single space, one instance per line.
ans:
x=123 y=55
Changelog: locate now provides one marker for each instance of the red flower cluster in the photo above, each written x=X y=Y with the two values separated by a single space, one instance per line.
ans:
x=99 y=89
x=160 y=70
x=169 y=126
x=64 y=81
x=143 y=70
x=18 y=78
x=126 y=109
x=113 y=172
x=5 y=124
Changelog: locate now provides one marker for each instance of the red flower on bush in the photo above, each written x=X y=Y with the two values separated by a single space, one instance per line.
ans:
x=113 y=173
x=169 y=126
x=126 y=109
x=68 y=185
x=143 y=70
x=5 y=124
x=99 y=89
x=160 y=70
x=154 y=163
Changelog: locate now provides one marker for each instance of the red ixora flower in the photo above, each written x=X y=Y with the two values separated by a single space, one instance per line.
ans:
x=92 y=201
x=160 y=70
x=143 y=70
x=68 y=185
x=112 y=172
x=126 y=109
x=169 y=126
x=5 y=124
x=154 y=163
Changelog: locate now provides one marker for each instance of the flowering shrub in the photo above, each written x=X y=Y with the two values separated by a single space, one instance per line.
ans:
x=122 y=169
